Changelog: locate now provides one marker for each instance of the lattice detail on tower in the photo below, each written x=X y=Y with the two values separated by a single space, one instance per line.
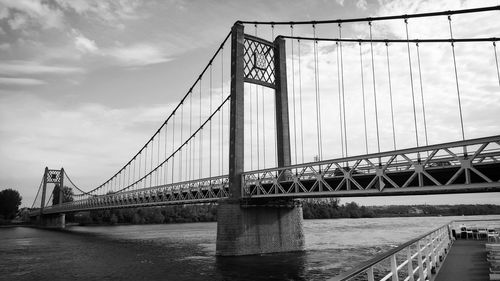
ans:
x=259 y=61
x=53 y=176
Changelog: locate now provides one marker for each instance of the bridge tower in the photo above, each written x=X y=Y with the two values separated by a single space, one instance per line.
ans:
x=52 y=220
x=249 y=226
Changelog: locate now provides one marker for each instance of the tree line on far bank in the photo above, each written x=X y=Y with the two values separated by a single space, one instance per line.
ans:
x=10 y=200
x=312 y=209
x=148 y=215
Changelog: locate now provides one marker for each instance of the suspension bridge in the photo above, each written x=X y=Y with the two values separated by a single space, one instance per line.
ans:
x=401 y=105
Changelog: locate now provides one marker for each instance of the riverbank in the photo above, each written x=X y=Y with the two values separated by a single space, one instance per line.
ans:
x=312 y=209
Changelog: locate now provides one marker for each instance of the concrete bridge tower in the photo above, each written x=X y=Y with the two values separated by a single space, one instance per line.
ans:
x=250 y=226
x=52 y=220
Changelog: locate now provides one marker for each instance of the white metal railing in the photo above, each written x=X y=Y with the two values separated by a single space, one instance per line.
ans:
x=415 y=260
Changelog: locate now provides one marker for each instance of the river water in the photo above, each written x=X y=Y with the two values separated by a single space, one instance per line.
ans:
x=187 y=251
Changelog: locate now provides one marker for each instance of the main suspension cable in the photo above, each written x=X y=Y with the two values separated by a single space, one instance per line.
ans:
x=183 y=144
x=38 y=192
x=387 y=40
x=370 y=19
x=74 y=185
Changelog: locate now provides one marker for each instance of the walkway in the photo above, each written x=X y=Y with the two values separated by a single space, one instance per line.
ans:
x=465 y=262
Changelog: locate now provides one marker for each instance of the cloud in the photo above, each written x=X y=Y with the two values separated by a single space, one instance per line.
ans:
x=20 y=81
x=4 y=46
x=37 y=12
x=18 y=21
x=361 y=4
x=110 y=12
x=85 y=45
x=18 y=67
x=138 y=54
x=340 y=2
x=36 y=132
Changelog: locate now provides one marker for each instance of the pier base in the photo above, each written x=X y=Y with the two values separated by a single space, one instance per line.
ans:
x=53 y=221
x=248 y=228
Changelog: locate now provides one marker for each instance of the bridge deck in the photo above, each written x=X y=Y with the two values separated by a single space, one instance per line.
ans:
x=466 y=261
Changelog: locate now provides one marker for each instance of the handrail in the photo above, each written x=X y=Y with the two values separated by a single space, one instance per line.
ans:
x=366 y=265
x=428 y=255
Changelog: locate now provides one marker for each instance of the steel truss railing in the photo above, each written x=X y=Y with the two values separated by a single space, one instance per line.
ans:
x=190 y=192
x=418 y=257
x=470 y=165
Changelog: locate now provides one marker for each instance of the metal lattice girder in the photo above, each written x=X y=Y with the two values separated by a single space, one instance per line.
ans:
x=258 y=61
x=464 y=166
x=191 y=192
x=53 y=176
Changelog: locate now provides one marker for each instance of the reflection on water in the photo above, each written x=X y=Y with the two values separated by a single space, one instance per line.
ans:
x=187 y=251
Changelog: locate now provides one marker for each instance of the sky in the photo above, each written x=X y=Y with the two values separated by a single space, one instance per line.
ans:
x=84 y=83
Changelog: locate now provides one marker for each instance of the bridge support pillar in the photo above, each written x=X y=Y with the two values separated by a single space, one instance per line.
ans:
x=247 y=229
x=253 y=226
x=53 y=221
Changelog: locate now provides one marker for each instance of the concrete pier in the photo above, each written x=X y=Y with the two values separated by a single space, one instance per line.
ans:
x=250 y=226
x=52 y=221
x=246 y=229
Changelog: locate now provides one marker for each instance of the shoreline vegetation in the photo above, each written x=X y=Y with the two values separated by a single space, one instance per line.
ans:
x=312 y=209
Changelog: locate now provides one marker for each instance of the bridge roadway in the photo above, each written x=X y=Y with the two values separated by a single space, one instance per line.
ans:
x=435 y=169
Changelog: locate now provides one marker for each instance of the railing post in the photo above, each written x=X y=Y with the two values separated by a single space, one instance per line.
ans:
x=369 y=272
x=428 y=259
x=421 y=275
x=440 y=246
x=434 y=250
x=410 y=265
x=394 y=268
